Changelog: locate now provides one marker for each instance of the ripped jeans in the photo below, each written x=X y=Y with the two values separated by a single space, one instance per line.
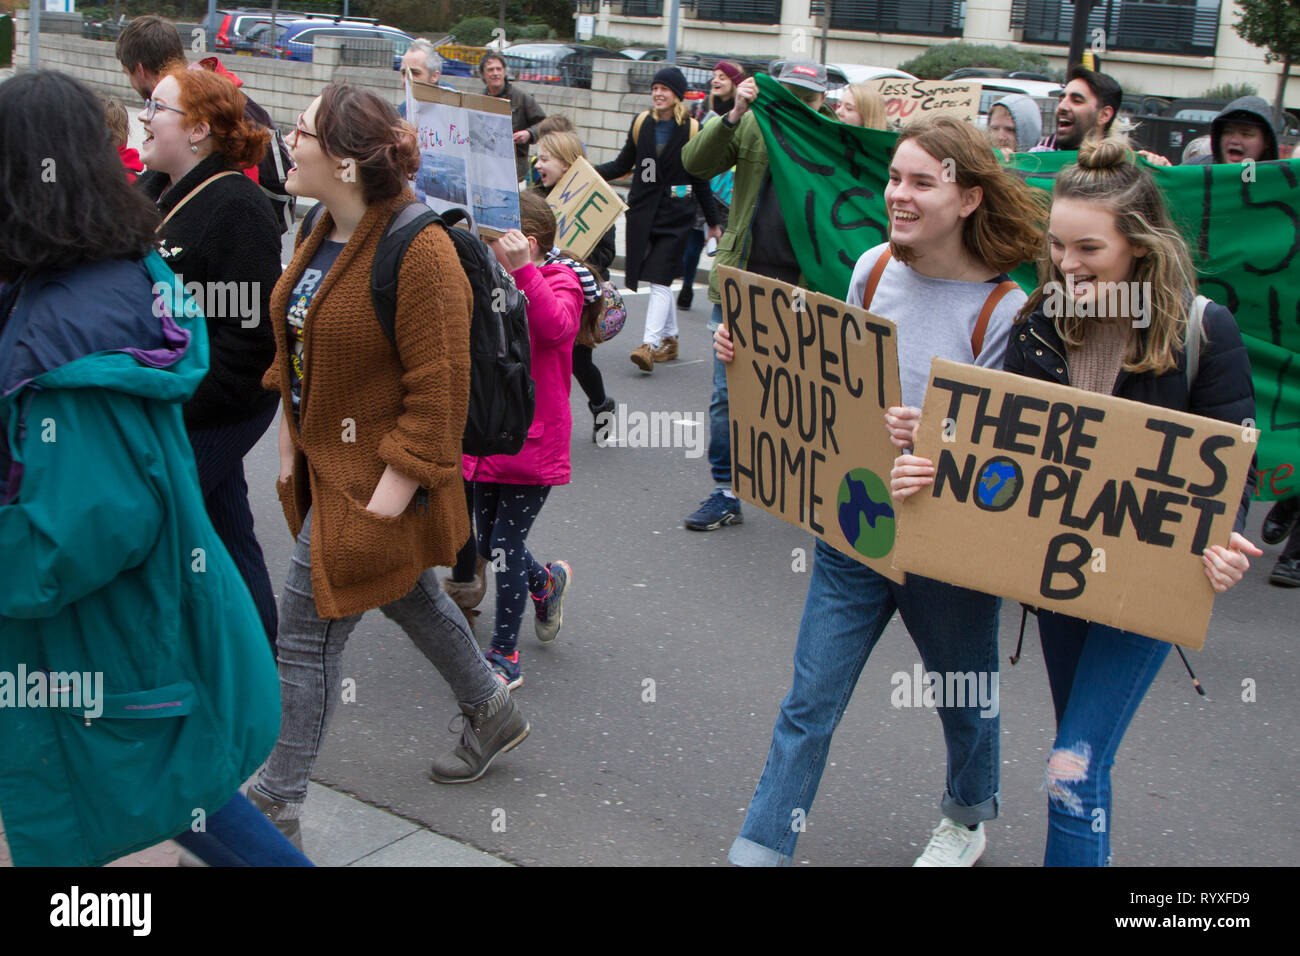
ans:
x=1098 y=677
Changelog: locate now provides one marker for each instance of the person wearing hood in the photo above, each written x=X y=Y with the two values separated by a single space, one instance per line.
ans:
x=155 y=692
x=1015 y=123
x=1244 y=129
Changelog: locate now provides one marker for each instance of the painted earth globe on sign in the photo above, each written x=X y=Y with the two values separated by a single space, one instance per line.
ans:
x=866 y=517
x=998 y=485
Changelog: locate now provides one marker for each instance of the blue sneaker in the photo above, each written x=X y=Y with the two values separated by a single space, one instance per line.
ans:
x=715 y=511
x=550 y=606
x=506 y=667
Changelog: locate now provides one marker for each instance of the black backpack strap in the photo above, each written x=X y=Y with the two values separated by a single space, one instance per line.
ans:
x=309 y=222
x=405 y=225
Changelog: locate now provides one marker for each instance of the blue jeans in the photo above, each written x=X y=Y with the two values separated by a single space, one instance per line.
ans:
x=848 y=606
x=1098 y=677
x=240 y=835
x=719 y=412
x=691 y=256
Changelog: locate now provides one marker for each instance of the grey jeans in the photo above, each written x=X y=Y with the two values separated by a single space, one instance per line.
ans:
x=310 y=655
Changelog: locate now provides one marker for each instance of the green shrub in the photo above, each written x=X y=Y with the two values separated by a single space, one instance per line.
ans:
x=940 y=60
x=1230 y=91
x=475 y=31
x=530 y=31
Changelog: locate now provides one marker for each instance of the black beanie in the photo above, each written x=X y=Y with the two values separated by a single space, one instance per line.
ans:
x=672 y=78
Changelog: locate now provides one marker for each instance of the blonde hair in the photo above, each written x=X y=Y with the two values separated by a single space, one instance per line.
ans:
x=1107 y=175
x=566 y=147
x=1007 y=227
x=870 y=104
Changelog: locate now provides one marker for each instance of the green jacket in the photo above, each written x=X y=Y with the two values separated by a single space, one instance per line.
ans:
x=715 y=149
x=112 y=568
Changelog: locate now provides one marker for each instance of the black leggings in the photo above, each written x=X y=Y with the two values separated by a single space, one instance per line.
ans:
x=588 y=376
x=504 y=514
x=462 y=572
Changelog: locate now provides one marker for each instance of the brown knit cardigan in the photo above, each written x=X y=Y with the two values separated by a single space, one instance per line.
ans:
x=366 y=404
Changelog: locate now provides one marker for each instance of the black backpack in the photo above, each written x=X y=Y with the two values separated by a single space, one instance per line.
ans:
x=274 y=167
x=502 y=396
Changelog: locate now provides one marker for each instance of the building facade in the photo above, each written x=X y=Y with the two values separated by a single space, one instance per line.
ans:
x=1159 y=47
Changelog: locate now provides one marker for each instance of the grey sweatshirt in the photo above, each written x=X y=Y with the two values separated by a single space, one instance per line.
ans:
x=935 y=318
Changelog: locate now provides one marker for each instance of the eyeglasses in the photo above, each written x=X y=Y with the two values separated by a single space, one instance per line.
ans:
x=298 y=130
x=151 y=107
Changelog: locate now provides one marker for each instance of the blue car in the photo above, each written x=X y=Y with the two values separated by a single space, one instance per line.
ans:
x=294 y=41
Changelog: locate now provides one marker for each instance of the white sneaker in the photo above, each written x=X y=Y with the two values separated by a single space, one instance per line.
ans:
x=952 y=844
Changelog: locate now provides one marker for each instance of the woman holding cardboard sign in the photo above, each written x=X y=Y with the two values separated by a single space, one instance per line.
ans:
x=941 y=279
x=1109 y=226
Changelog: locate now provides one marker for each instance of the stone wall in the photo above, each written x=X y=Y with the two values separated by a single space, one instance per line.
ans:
x=602 y=114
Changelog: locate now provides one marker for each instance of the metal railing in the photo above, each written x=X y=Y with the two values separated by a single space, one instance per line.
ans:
x=1183 y=28
x=361 y=51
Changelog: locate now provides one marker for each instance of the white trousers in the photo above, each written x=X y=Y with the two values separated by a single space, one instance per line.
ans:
x=660 y=315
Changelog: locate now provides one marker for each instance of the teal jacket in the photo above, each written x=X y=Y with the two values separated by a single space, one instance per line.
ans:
x=112 y=568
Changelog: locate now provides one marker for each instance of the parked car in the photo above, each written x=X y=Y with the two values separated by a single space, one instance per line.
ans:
x=555 y=64
x=294 y=40
x=978 y=72
x=857 y=73
x=230 y=26
x=839 y=75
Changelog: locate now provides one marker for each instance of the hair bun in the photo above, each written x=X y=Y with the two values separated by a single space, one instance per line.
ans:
x=1105 y=152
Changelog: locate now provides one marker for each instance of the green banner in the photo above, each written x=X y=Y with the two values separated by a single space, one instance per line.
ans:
x=1242 y=224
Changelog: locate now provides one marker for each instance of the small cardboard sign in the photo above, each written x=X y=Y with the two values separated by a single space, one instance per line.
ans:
x=585 y=207
x=1090 y=505
x=467 y=156
x=807 y=393
x=907 y=100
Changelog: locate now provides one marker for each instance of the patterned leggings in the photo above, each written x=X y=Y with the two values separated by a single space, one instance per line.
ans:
x=503 y=516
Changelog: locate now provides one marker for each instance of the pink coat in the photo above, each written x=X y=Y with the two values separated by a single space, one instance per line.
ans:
x=554 y=309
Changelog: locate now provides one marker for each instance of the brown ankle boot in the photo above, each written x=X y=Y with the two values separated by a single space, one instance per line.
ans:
x=643 y=357
x=667 y=350
x=468 y=594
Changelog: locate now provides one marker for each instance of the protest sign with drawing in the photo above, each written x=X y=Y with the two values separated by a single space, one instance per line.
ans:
x=907 y=100
x=467 y=156
x=585 y=207
x=807 y=391
x=1090 y=505
x=1241 y=221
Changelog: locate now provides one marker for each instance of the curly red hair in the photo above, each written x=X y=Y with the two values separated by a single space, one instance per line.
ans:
x=211 y=98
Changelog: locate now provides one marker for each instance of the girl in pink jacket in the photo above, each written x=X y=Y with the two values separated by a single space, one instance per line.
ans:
x=509 y=490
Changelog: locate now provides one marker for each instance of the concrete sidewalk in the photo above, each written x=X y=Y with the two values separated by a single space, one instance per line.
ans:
x=339 y=830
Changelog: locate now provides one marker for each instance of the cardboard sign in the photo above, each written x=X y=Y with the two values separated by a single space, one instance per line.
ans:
x=906 y=100
x=467 y=156
x=808 y=391
x=1090 y=505
x=585 y=207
